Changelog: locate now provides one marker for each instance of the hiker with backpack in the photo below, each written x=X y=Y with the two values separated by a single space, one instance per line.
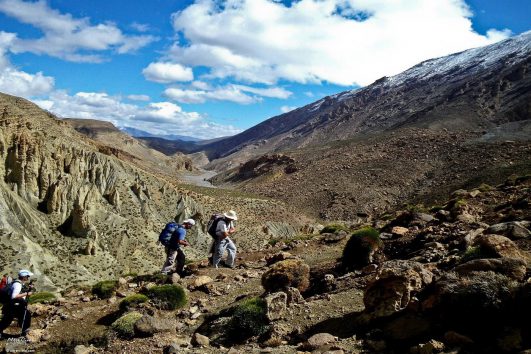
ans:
x=16 y=303
x=224 y=227
x=173 y=237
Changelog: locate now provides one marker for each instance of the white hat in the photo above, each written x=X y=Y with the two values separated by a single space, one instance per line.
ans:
x=231 y=214
x=25 y=273
x=189 y=221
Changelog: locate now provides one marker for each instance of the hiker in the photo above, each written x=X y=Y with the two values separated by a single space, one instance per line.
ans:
x=16 y=306
x=224 y=229
x=174 y=251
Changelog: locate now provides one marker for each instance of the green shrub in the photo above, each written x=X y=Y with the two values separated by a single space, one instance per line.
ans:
x=42 y=297
x=105 y=289
x=361 y=247
x=132 y=301
x=333 y=228
x=125 y=325
x=288 y=273
x=472 y=253
x=248 y=320
x=167 y=297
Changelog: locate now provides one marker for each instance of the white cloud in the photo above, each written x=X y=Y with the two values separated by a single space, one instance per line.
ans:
x=140 y=27
x=286 y=109
x=139 y=97
x=231 y=93
x=66 y=37
x=167 y=72
x=156 y=118
x=274 y=92
x=344 y=42
x=16 y=82
x=228 y=93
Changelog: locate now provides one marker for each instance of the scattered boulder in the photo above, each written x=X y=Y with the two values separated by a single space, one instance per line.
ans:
x=512 y=268
x=513 y=229
x=81 y=349
x=318 y=340
x=393 y=287
x=200 y=340
x=147 y=326
x=276 y=304
x=431 y=347
x=294 y=296
x=399 y=231
x=289 y=273
x=499 y=246
x=277 y=257
x=199 y=281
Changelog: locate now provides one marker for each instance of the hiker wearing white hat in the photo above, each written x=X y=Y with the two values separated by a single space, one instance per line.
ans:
x=16 y=305
x=173 y=248
x=224 y=229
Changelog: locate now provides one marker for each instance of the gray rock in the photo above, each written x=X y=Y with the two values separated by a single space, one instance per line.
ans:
x=513 y=268
x=149 y=325
x=512 y=229
x=276 y=304
x=200 y=340
x=81 y=349
x=294 y=296
x=172 y=349
x=319 y=340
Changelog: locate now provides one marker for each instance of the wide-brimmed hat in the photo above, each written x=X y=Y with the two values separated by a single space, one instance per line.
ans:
x=189 y=221
x=25 y=273
x=231 y=214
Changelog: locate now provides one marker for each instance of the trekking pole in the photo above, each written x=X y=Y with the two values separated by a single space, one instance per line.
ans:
x=25 y=311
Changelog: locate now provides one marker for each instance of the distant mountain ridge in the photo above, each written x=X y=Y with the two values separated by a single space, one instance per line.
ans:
x=138 y=133
x=477 y=88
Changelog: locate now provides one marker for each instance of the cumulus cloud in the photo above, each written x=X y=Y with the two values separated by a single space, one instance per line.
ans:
x=203 y=92
x=16 y=82
x=166 y=73
x=157 y=118
x=66 y=37
x=344 y=42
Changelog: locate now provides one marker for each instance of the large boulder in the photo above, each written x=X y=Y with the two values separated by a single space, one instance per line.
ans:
x=512 y=229
x=289 y=273
x=393 y=287
x=512 y=268
x=499 y=246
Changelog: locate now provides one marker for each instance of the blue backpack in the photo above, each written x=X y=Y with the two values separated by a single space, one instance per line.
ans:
x=167 y=233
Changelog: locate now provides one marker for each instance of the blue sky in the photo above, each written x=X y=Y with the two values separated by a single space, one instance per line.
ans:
x=210 y=68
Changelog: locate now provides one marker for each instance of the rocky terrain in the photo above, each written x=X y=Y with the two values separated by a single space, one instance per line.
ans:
x=129 y=148
x=74 y=210
x=443 y=124
x=453 y=278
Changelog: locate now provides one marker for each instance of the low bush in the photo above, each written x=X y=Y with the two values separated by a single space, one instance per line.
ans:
x=248 y=320
x=333 y=228
x=361 y=247
x=125 y=325
x=132 y=300
x=289 y=273
x=167 y=297
x=42 y=297
x=105 y=289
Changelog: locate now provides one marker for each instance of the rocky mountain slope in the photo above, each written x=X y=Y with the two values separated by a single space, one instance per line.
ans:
x=130 y=148
x=483 y=88
x=74 y=210
x=453 y=278
x=441 y=125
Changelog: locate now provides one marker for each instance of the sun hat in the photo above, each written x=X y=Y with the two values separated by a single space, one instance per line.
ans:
x=189 y=221
x=25 y=273
x=231 y=214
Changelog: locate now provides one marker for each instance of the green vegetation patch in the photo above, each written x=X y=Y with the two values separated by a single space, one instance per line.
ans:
x=125 y=325
x=249 y=319
x=167 y=297
x=42 y=297
x=105 y=289
x=333 y=228
x=132 y=301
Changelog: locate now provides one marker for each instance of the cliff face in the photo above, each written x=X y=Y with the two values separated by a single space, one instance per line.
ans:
x=73 y=214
